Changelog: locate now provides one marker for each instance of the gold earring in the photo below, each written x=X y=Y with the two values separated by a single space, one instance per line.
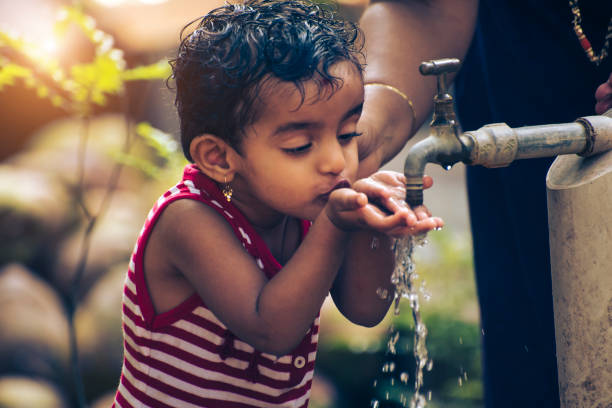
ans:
x=227 y=190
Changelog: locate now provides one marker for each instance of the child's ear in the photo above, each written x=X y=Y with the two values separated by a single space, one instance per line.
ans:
x=214 y=157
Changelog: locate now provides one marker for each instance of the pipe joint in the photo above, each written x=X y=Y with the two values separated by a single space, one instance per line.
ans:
x=598 y=131
x=494 y=145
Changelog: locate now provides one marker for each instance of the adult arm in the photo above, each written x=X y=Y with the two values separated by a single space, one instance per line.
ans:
x=399 y=35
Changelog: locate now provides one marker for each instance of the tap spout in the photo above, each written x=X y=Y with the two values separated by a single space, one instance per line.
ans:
x=444 y=151
x=414 y=167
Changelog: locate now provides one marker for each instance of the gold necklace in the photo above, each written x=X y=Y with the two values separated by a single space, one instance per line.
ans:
x=584 y=41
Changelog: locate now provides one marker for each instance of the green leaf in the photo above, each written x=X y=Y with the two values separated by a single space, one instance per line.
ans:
x=146 y=166
x=163 y=143
x=159 y=70
x=10 y=72
x=93 y=81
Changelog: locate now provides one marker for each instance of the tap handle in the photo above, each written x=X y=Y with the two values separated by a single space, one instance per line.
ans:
x=440 y=67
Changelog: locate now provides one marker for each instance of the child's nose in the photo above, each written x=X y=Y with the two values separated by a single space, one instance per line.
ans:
x=332 y=160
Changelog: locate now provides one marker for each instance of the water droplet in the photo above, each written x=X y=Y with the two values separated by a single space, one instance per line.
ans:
x=391 y=344
x=460 y=381
x=388 y=367
x=460 y=340
x=374 y=404
x=404 y=377
x=382 y=293
x=429 y=395
x=429 y=365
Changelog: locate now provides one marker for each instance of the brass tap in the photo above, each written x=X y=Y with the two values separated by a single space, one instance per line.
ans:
x=443 y=145
x=497 y=144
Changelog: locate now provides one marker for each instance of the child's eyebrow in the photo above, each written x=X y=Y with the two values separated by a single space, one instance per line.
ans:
x=355 y=111
x=291 y=126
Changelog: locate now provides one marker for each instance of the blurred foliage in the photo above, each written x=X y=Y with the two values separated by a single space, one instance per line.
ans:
x=162 y=144
x=82 y=85
x=78 y=88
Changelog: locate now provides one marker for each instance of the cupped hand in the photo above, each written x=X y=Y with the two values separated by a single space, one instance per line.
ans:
x=377 y=202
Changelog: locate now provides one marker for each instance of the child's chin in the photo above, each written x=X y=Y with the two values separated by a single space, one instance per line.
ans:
x=313 y=212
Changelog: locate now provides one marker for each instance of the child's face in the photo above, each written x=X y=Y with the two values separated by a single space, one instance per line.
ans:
x=293 y=158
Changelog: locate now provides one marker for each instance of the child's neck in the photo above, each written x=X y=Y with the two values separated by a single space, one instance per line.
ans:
x=281 y=233
x=281 y=237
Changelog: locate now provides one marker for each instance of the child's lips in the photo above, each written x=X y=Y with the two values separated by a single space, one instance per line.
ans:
x=341 y=184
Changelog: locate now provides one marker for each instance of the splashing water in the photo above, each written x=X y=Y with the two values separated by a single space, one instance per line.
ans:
x=403 y=278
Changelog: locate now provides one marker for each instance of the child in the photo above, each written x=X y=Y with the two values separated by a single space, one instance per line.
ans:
x=225 y=284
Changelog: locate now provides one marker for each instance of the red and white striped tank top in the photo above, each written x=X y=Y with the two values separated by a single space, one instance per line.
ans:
x=186 y=357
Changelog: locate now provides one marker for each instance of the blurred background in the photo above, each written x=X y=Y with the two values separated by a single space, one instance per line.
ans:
x=88 y=142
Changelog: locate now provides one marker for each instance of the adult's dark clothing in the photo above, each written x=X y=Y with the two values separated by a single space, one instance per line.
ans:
x=525 y=67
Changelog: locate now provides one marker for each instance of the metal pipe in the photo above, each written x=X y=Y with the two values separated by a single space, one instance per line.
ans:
x=498 y=145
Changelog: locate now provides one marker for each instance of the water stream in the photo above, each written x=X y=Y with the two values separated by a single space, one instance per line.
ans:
x=404 y=280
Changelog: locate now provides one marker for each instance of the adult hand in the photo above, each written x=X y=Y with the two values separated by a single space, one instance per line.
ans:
x=603 y=96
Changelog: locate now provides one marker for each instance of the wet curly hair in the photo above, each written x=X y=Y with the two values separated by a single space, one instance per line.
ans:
x=223 y=63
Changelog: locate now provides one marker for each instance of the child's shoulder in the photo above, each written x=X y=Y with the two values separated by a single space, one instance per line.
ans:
x=185 y=243
x=186 y=220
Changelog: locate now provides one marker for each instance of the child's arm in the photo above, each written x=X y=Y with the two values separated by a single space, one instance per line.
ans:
x=193 y=248
x=364 y=278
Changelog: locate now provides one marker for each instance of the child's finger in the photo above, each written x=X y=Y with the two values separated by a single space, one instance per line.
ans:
x=372 y=188
x=375 y=219
x=428 y=224
x=420 y=227
x=400 y=207
x=421 y=212
x=346 y=199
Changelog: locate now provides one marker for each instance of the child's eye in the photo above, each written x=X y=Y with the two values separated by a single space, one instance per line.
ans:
x=346 y=137
x=298 y=150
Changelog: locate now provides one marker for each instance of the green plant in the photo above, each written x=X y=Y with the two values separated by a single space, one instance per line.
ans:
x=79 y=90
